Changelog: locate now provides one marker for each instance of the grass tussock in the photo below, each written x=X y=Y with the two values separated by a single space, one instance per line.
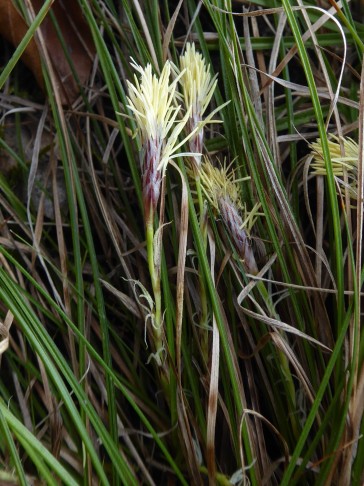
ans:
x=181 y=250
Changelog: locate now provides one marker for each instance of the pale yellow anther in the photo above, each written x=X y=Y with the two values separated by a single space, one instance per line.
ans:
x=342 y=163
x=198 y=85
x=151 y=99
x=220 y=183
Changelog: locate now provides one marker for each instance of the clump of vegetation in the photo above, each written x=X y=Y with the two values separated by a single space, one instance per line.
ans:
x=181 y=276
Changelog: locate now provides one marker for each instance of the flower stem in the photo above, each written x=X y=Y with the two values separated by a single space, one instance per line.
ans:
x=157 y=317
x=156 y=286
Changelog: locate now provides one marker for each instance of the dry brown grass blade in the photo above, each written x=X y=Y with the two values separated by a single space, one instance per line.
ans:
x=187 y=437
x=253 y=78
x=169 y=31
x=287 y=350
x=270 y=102
x=54 y=420
x=125 y=300
x=356 y=407
x=22 y=400
x=257 y=415
x=181 y=266
x=63 y=259
x=146 y=32
x=269 y=321
x=299 y=89
x=214 y=383
x=246 y=289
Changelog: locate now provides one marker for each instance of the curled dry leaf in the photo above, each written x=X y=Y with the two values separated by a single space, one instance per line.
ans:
x=76 y=37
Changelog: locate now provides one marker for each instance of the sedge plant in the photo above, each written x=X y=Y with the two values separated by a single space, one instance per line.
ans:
x=104 y=238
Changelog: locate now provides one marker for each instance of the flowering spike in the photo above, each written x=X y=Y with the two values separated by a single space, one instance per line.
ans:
x=151 y=99
x=234 y=223
x=340 y=164
x=221 y=190
x=197 y=83
x=198 y=87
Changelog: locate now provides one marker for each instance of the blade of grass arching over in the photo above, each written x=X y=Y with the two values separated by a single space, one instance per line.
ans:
x=334 y=208
x=24 y=42
x=14 y=454
x=94 y=355
x=347 y=19
x=36 y=451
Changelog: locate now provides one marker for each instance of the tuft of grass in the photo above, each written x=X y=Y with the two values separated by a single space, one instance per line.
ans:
x=211 y=332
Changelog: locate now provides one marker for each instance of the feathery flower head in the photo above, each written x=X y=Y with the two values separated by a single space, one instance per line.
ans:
x=218 y=183
x=197 y=83
x=340 y=164
x=198 y=87
x=221 y=190
x=152 y=101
